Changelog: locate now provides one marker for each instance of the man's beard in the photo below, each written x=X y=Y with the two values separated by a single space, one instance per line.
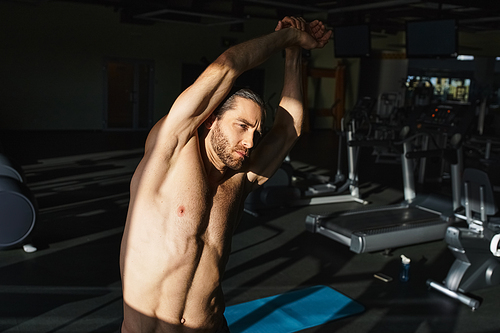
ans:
x=220 y=145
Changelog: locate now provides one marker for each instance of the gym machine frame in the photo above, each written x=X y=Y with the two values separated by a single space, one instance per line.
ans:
x=477 y=262
x=417 y=219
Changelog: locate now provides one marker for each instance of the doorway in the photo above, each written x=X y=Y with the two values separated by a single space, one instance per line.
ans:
x=128 y=94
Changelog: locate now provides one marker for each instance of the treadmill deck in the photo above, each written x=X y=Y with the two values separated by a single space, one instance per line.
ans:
x=380 y=229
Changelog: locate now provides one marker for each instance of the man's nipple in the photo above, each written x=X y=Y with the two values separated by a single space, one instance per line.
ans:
x=181 y=211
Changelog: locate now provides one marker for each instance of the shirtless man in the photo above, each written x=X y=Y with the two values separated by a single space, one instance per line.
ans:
x=188 y=191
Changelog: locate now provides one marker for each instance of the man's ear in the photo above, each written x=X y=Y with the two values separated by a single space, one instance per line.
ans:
x=210 y=121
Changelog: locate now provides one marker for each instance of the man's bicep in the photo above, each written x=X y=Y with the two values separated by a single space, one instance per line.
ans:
x=269 y=155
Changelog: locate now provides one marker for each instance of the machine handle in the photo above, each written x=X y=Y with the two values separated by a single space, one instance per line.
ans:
x=424 y=153
x=448 y=154
x=370 y=143
x=494 y=245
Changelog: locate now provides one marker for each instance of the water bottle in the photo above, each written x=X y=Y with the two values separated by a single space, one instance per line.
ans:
x=405 y=269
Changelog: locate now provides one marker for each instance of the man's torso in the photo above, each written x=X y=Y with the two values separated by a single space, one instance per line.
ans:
x=177 y=241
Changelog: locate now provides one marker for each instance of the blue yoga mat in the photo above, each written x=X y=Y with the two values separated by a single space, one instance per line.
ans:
x=291 y=312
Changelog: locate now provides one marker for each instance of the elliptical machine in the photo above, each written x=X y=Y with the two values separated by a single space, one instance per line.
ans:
x=476 y=248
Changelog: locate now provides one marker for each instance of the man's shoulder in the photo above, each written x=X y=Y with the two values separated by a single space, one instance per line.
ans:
x=164 y=142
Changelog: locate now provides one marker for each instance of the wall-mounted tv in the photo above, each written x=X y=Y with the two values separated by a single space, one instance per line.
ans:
x=352 y=41
x=432 y=39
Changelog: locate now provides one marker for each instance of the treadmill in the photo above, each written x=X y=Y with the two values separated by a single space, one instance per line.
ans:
x=419 y=218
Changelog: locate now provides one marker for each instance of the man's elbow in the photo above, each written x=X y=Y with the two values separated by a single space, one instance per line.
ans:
x=227 y=64
x=299 y=126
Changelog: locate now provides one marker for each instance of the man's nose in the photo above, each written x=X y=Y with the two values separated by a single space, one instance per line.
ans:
x=248 y=140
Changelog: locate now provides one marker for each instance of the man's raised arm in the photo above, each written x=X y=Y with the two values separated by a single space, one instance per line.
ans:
x=287 y=126
x=197 y=102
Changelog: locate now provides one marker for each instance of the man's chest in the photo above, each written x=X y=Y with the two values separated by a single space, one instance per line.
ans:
x=228 y=196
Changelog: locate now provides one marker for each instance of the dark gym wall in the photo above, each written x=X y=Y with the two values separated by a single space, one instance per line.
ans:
x=52 y=61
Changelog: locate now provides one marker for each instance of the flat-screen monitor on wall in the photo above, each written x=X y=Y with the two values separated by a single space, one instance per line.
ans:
x=352 y=41
x=432 y=39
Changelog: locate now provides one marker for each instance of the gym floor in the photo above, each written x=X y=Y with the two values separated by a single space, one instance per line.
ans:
x=72 y=283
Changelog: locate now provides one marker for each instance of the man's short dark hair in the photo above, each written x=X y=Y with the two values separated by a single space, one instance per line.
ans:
x=230 y=101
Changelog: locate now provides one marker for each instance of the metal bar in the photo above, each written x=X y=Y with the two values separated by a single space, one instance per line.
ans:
x=375 y=5
x=286 y=5
x=456 y=180
x=408 y=175
x=468 y=213
x=225 y=19
x=469 y=301
x=423 y=160
x=481 y=202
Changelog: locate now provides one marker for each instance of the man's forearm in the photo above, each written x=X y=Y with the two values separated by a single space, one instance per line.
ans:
x=292 y=85
x=252 y=53
x=292 y=95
